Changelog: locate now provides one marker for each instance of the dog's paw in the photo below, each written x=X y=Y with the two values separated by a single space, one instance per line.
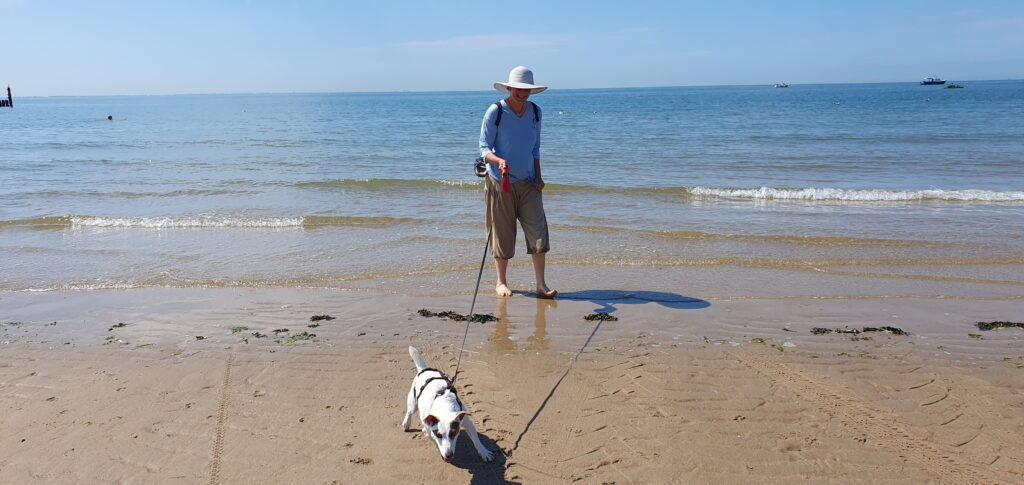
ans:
x=405 y=425
x=486 y=455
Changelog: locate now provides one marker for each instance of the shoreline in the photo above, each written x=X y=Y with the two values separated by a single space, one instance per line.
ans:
x=173 y=317
x=729 y=390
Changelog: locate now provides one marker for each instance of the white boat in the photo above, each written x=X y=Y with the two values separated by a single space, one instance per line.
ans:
x=781 y=85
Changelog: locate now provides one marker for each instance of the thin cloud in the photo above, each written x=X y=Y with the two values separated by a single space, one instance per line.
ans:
x=481 y=42
x=1001 y=22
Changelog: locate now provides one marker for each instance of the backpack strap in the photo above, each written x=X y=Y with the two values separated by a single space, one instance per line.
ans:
x=497 y=121
x=536 y=113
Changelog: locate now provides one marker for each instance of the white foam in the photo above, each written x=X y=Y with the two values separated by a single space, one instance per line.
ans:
x=768 y=193
x=460 y=183
x=186 y=222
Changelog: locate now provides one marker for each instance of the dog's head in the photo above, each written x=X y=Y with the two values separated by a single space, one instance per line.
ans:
x=444 y=429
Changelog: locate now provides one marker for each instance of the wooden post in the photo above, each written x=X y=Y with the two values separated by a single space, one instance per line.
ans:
x=10 y=101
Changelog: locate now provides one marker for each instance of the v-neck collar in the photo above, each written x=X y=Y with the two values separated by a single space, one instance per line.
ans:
x=525 y=108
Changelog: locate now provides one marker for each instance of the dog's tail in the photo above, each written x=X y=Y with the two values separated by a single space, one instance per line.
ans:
x=417 y=358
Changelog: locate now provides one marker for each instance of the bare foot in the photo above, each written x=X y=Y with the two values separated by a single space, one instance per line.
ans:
x=546 y=293
x=502 y=290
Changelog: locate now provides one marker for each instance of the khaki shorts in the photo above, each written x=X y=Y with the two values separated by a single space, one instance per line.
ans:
x=523 y=203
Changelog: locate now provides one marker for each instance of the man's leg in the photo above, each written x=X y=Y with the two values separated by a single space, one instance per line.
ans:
x=501 y=288
x=501 y=219
x=535 y=230
x=538 y=271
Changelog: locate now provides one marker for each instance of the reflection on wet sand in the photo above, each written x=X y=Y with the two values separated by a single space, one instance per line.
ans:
x=503 y=336
x=539 y=340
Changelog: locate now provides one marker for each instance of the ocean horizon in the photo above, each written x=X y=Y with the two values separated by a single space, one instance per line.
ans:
x=478 y=91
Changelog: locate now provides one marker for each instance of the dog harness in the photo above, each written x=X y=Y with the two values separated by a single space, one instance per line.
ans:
x=443 y=377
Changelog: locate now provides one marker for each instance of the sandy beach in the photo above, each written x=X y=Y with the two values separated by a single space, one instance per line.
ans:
x=197 y=387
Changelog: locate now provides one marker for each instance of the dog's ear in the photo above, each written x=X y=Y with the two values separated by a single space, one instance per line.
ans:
x=431 y=420
x=458 y=417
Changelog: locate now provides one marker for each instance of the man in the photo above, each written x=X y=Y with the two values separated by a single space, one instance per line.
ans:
x=510 y=144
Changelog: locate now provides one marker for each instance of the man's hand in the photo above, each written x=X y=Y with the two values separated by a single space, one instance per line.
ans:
x=540 y=183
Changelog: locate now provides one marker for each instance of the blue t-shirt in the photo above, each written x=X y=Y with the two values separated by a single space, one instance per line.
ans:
x=516 y=139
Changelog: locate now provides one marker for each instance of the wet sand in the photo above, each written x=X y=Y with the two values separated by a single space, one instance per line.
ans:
x=680 y=389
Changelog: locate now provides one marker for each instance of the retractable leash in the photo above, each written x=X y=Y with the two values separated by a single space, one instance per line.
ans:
x=469 y=317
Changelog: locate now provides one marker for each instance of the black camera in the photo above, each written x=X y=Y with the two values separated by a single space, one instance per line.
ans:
x=480 y=167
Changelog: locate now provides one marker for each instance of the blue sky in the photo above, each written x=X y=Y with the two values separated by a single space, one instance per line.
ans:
x=141 y=47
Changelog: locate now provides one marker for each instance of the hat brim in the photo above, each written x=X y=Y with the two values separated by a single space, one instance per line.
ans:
x=534 y=89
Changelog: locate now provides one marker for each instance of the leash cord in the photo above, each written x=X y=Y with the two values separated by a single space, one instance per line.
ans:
x=469 y=317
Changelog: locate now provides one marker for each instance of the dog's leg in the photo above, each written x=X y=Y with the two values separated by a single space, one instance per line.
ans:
x=485 y=454
x=410 y=407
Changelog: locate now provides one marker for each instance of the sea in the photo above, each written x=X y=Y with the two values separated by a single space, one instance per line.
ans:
x=376 y=190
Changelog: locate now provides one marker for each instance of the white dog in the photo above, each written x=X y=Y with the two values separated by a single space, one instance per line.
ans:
x=441 y=411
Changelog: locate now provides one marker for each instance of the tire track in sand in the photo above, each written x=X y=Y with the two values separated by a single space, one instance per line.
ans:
x=860 y=418
x=222 y=415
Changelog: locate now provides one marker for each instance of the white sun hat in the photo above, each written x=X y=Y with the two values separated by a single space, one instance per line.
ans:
x=521 y=78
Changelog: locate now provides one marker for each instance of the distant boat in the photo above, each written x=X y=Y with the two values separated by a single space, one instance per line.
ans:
x=781 y=85
x=955 y=86
x=929 y=81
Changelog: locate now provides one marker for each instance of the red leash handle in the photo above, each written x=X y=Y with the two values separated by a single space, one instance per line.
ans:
x=505 y=186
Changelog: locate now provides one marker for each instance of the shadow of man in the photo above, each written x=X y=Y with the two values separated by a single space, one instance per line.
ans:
x=609 y=298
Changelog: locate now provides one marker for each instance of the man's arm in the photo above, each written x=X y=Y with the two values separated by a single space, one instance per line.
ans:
x=536 y=173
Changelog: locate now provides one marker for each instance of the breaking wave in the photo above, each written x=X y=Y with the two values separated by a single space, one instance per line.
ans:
x=867 y=195
x=190 y=222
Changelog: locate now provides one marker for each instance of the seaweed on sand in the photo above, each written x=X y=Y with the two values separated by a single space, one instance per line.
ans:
x=995 y=325
x=854 y=331
x=458 y=317
x=300 y=337
x=604 y=317
x=317 y=318
x=768 y=341
x=449 y=314
x=893 y=330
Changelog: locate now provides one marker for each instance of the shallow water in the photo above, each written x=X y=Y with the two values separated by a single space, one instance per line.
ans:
x=329 y=189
